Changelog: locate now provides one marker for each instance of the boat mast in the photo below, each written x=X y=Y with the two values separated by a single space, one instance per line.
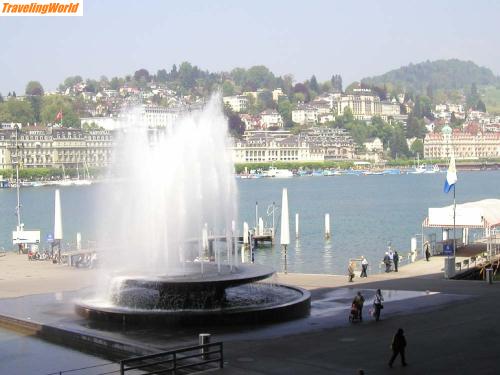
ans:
x=18 y=207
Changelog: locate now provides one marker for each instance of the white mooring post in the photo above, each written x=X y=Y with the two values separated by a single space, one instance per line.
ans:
x=58 y=229
x=257 y=217
x=285 y=226
x=413 y=248
x=296 y=225
x=234 y=243
x=246 y=241
x=327 y=226
x=261 y=227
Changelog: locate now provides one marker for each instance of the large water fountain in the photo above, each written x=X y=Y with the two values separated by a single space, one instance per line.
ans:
x=169 y=239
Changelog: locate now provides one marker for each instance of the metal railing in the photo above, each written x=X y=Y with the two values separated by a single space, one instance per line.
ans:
x=101 y=369
x=174 y=360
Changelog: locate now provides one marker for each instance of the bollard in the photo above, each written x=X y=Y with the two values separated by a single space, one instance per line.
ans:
x=489 y=275
x=203 y=339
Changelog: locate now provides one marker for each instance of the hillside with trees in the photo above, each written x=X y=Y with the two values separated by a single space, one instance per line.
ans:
x=431 y=76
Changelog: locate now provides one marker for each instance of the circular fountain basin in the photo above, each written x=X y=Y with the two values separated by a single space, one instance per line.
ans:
x=193 y=298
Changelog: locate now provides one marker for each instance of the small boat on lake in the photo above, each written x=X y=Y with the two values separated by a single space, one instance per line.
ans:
x=278 y=173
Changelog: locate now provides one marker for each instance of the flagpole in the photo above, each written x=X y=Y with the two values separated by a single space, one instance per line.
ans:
x=454 y=227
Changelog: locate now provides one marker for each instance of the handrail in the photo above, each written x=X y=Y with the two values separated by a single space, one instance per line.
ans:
x=85 y=368
x=205 y=356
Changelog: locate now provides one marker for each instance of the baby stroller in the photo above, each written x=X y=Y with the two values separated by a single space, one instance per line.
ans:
x=354 y=315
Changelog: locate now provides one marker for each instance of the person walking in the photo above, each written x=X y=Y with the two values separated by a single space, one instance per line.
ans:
x=364 y=267
x=387 y=262
x=350 y=271
x=396 y=260
x=398 y=347
x=427 y=251
x=377 y=304
x=359 y=301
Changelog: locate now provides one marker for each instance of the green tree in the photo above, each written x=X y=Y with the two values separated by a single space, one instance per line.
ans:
x=423 y=107
x=258 y=77
x=36 y=105
x=238 y=76
x=34 y=92
x=336 y=83
x=313 y=85
x=235 y=125
x=116 y=83
x=480 y=106
x=227 y=88
x=265 y=100
x=91 y=85
x=187 y=76
x=103 y=82
x=162 y=76
x=174 y=74
x=17 y=111
x=417 y=147
x=397 y=143
x=34 y=88
x=382 y=130
x=142 y=74
x=70 y=82
x=52 y=105
x=300 y=88
x=285 y=110
x=415 y=127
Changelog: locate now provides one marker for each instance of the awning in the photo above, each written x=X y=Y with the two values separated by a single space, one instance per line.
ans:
x=480 y=214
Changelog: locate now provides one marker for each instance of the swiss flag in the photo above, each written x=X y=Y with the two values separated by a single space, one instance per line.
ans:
x=59 y=116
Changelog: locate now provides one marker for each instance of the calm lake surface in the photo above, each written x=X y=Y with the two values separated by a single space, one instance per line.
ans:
x=366 y=213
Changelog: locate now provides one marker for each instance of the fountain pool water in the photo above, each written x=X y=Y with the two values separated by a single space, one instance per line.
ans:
x=163 y=257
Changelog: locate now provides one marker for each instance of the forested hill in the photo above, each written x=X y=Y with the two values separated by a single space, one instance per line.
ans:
x=451 y=74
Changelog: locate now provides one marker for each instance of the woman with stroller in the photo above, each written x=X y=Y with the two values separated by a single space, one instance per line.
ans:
x=377 y=304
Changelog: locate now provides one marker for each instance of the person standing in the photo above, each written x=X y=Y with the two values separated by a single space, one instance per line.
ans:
x=398 y=347
x=387 y=262
x=364 y=267
x=396 y=260
x=350 y=271
x=427 y=251
x=377 y=304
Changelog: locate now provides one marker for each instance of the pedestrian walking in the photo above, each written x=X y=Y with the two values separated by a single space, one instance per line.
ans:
x=364 y=267
x=396 y=260
x=387 y=262
x=427 y=251
x=398 y=347
x=359 y=301
x=377 y=304
x=350 y=272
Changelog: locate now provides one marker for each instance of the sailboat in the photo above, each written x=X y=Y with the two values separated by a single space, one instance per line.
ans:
x=418 y=169
x=66 y=181
x=86 y=176
x=20 y=237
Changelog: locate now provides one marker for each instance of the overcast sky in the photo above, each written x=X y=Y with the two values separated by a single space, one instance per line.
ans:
x=352 y=38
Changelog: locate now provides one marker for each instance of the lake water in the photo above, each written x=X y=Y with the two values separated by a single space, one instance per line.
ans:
x=367 y=212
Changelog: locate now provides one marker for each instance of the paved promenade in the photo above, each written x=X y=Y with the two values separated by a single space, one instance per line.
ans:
x=20 y=277
x=453 y=331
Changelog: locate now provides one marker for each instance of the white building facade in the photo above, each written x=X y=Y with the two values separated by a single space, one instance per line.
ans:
x=462 y=145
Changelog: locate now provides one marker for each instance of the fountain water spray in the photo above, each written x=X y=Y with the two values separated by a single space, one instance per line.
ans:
x=172 y=187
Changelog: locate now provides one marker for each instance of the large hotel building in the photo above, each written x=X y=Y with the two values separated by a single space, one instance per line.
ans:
x=42 y=147
x=462 y=145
